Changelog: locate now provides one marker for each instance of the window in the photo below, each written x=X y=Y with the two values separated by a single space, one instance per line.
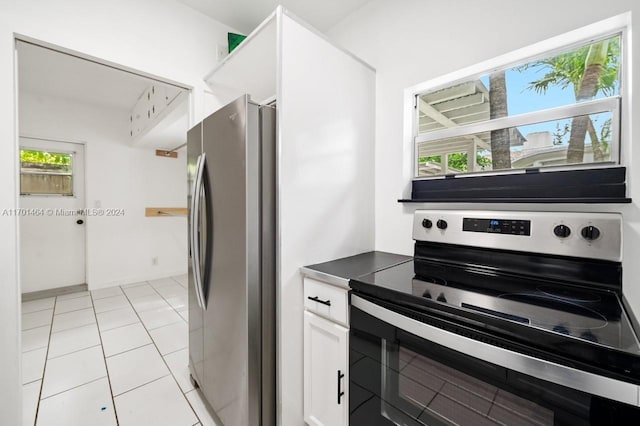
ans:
x=557 y=109
x=45 y=173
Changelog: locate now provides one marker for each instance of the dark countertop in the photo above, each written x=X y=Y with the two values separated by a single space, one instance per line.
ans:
x=340 y=271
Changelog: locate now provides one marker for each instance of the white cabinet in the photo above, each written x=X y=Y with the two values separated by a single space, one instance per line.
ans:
x=326 y=354
x=326 y=379
x=325 y=117
x=329 y=301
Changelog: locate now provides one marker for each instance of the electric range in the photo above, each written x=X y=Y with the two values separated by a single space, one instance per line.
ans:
x=527 y=304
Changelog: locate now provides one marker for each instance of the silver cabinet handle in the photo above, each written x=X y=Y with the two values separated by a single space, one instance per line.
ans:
x=195 y=239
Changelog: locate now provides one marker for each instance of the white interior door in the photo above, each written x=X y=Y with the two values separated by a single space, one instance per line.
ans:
x=52 y=233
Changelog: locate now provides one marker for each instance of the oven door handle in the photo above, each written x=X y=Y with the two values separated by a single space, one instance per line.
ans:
x=573 y=378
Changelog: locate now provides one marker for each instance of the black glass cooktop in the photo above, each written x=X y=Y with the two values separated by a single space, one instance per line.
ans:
x=588 y=324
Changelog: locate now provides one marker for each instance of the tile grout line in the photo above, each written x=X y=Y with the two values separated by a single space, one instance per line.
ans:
x=183 y=286
x=170 y=305
x=107 y=297
x=162 y=356
x=144 y=384
x=114 y=309
x=37 y=326
x=163 y=325
x=37 y=349
x=37 y=310
x=173 y=352
x=104 y=359
x=120 y=326
x=79 y=309
x=44 y=367
x=73 y=352
x=77 y=296
x=75 y=387
x=128 y=350
x=33 y=328
x=33 y=312
x=73 y=328
x=167 y=302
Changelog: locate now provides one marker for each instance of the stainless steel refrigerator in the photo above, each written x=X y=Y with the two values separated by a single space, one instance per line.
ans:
x=231 y=173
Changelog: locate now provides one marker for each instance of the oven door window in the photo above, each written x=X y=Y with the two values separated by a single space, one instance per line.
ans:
x=397 y=378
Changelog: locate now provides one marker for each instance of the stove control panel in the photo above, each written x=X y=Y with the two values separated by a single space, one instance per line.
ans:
x=590 y=235
x=497 y=226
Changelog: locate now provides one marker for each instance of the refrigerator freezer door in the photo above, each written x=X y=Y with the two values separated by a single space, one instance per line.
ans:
x=232 y=288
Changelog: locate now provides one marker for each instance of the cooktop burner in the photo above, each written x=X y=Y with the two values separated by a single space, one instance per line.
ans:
x=570 y=294
x=581 y=316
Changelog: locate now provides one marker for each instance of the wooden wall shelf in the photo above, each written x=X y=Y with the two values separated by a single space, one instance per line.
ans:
x=166 y=211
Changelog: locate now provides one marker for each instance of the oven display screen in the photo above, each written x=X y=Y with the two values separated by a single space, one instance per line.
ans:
x=497 y=226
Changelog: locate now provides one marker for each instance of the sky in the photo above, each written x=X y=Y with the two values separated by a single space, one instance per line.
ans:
x=522 y=100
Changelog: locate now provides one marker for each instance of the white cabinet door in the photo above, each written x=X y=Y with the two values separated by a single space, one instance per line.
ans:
x=326 y=358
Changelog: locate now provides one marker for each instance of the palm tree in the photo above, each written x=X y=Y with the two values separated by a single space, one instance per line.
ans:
x=586 y=90
x=590 y=69
x=500 y=141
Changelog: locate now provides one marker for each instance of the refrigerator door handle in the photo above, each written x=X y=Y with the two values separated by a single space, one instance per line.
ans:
x=206 y=230
x=195 y=234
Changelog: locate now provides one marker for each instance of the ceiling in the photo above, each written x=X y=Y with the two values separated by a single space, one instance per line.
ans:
x=46 y=72
x=50 y=73
x=245 y=15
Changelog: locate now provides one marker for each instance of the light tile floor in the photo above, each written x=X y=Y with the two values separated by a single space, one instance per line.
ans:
x=115 y=356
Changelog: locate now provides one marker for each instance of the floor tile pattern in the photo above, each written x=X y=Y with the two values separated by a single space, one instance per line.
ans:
x=114 y=356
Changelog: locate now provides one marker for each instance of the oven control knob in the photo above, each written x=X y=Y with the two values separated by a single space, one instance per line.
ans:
x=426 y=223
x=427 y=294
x=441 y=224
x=590 y=233
x=562 y=231
x=441 y=298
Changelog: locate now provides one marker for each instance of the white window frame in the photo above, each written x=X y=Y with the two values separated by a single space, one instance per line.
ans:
x=619 y=105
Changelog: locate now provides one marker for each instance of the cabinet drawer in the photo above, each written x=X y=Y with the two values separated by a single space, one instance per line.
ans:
x=326 y=300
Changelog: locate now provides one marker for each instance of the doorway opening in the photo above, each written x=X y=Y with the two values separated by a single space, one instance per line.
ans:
x=100 y=146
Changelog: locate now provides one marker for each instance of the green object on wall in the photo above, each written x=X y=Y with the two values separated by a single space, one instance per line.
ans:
x=234 y=40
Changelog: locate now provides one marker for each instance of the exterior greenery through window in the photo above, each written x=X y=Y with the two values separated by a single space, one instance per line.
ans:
x=45 y=173
x=558 y=110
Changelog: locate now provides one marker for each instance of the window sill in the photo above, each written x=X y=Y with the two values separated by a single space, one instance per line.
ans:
x=523 y=200
x=604 y=185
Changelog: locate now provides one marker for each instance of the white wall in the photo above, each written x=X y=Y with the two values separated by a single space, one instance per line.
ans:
x=159 y=37
x=119 y=249
x=325 y=198
x=416 y=40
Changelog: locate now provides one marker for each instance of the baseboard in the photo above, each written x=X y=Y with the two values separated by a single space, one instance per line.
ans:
x=136 y=279
x=51 y=292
